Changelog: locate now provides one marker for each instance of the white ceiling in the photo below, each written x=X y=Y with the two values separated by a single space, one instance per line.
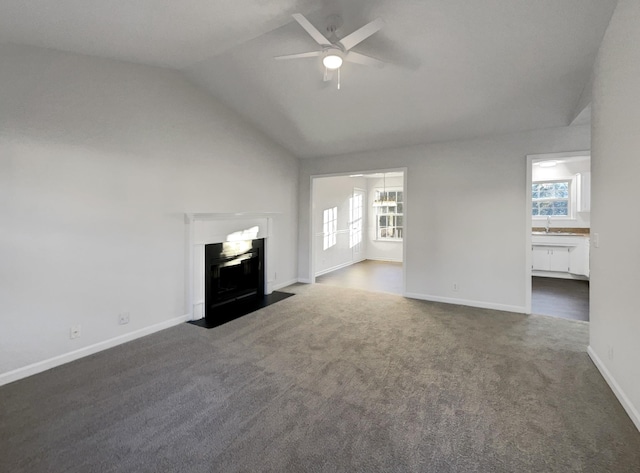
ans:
x=458 y=68
x=167 y=33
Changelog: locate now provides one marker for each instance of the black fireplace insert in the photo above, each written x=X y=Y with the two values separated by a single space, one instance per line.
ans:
x=234 y=273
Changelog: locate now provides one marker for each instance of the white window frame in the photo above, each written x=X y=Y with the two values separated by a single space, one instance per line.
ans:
x=329 y=227
x=570 y=200
x=378 y=211
x=356 y=202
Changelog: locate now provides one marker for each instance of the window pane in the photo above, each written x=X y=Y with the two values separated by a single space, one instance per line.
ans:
x=551 y=198
x=545 y=208
x=562 y=190
x=561 y=207
x=546 y=190
x=399 y=221
x=386 y=215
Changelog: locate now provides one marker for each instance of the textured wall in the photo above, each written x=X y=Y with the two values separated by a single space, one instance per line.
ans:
x=466 y=212
x=615 y=273
x=99 y=162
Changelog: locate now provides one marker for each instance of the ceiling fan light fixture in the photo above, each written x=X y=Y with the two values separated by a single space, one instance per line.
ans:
x=332 y=61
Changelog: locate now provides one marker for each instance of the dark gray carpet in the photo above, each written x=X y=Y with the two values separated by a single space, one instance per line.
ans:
x=330 y=380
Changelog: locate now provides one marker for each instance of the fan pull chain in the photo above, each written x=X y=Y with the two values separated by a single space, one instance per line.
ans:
x=339 y=78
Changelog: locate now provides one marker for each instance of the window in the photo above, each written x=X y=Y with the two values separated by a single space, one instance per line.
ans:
x=551 y=198
x=330 y=227
x=389 y=205
x=355 y=220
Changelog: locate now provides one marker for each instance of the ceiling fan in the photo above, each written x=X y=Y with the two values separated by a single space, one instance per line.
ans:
x=334 y=50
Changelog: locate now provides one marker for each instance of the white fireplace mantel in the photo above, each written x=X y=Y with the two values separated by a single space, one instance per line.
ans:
x=204 y=228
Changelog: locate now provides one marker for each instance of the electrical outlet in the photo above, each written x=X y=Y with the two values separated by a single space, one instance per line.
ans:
x=74 y=332
x=123 y=318
x=455 y=287
x=595 y=240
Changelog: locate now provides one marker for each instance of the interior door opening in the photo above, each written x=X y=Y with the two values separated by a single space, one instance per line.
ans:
x=558 y=216
x=359 y=230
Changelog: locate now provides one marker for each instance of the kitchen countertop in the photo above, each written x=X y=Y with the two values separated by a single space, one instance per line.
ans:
x=561 y=231
x=560 y=234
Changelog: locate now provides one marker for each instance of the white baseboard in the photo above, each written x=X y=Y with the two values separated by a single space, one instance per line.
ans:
x=479 y=304
x=284 y=284
x=339 y=266
x=44 y=365
x=615 y=387
x=559 y=275
x=304 y=280
x=388 y=260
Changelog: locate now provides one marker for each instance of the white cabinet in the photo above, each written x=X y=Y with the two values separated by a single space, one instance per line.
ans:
x=561 y=256
x=550 y=258
x=579 y=258
x=583 y=191
x=539 y=258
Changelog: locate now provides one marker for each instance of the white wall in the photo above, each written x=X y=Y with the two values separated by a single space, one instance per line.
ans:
x=615 y=263
x=99 y=161
x=466 y=212
x=379 y=249
x=565 y=170
x=329 y=192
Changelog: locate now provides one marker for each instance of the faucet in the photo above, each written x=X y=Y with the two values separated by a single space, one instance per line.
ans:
x=546 y=228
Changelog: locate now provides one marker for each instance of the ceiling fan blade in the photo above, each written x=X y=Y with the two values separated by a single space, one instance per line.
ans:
x=312 y=30
x=358 y=58
x=299 y=55
x=361 y=34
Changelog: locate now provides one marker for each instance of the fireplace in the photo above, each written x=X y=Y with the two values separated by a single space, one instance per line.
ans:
x=234 y=274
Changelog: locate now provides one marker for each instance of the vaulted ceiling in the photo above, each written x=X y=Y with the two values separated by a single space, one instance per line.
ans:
x=456 y=68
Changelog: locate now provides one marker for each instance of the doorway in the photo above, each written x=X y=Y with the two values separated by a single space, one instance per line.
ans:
x=558 y=234
x=359 y=230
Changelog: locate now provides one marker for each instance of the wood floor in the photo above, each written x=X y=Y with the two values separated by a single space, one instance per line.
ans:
x=377 y=276
x=565 y=298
